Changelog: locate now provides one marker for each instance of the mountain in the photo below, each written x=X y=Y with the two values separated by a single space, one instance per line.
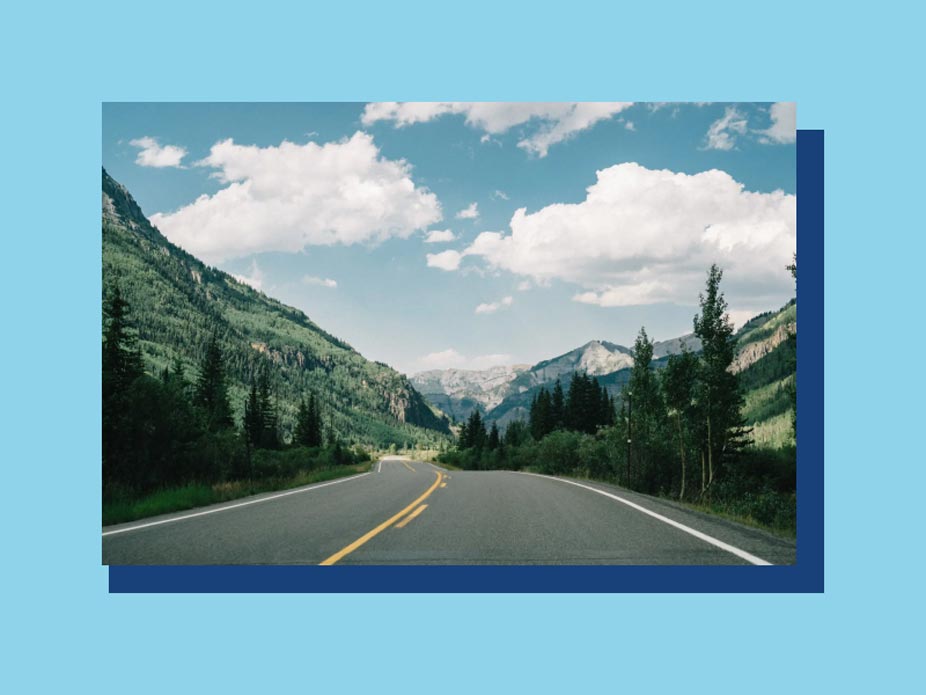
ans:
x=458 y=392
x=503 y=394
x=177 y=303
x=765 y=361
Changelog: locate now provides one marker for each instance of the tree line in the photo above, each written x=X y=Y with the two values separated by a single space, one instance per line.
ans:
x=675 y=432
x=171 y=429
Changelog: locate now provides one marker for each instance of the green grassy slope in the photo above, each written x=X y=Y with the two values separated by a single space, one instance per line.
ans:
x=177 y=302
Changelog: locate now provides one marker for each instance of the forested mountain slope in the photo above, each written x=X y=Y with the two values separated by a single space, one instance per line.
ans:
x=177 y=303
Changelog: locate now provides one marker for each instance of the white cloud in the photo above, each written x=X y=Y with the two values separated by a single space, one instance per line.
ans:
x=439 y=237
x=784 y=124
x=154 y=155
x=500 y=195
x=524 y=285
x=630 y=126
x=254 y=278
x=492 y=307
x=644 y=236
x=445 y=260
x=722 y=133
x=471 y=212
x=287 y=197
x=322 y=282
x=556 y=121
x=445 y=359
x=452 y=359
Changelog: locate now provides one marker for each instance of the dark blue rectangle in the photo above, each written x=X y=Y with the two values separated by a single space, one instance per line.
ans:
x=805 y=576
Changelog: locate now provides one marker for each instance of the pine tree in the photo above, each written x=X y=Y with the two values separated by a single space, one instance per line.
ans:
x=718 y=394
x=558 y=407
x=269 y=432
x=645 y=414
x=308 y=424
x=211 y=389
x=122 y=362
x=315 y=422
x=678 y=384
x=541 y=416
x=494 y=439
x=253 y=425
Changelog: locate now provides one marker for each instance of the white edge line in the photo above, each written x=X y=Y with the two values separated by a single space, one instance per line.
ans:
x=687 y=529
x=233 y=506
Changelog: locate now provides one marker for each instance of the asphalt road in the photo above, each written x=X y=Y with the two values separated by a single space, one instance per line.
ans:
x=408 y=512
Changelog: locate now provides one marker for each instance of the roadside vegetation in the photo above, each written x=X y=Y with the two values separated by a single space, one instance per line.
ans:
x=679 y=433
x=170 y=442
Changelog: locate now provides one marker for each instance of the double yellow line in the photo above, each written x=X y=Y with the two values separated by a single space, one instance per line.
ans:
x=383 y=526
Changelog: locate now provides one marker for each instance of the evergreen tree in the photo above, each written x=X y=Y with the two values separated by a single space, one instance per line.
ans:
x=122 y=362
x=515 y=434
x=308 y=424
x=645 y=415
x=678 y=385
x=494 y=439
x=463 y=439
x=558 y=407
x=541 y=416
x=476 y=431
x=315 y=422
x=211 y=393
x=269 y=421
x=121 y=368
x=718 y=393
x=253 y=424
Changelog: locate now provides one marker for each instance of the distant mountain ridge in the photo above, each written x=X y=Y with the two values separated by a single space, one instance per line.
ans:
x=503 y=393
x=177 y=303
x=764 y=359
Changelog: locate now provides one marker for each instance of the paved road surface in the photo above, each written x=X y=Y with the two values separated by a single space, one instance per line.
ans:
x=408 y=512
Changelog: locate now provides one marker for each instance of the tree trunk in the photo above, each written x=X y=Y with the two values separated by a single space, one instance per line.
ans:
x=702 y=473
x=681 y=451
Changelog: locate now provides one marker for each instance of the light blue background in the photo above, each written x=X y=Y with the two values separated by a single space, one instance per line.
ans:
x=851 y=73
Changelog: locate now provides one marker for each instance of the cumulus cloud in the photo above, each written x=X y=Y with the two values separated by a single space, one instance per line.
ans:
x=555 y=122
x=439 y=237
x=453 y=359
x=784 y=124
x=152 y=154
x=492 y=307
x=722 y=133
x=630 y=126
x=321 y=282
x=287 y=197
x=445 y=260
x=644 y=236
x=470 y=212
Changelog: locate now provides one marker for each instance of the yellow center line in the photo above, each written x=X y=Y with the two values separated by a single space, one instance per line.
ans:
x=404 y=522
x=382 y=527
x=408 y=467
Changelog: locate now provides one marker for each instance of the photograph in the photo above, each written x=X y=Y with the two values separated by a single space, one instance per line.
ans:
x=449 y=333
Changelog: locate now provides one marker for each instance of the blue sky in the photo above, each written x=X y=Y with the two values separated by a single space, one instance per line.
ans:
x=559 y=223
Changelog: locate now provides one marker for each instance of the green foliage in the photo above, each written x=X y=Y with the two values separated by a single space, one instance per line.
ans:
x=211 y=392
x=179 y=304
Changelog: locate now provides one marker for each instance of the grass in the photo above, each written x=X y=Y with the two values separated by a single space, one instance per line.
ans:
x=788 y=531
x=199 y=495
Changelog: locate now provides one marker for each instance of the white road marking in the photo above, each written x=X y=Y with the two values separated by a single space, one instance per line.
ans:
x=687 y=529
x=233 y=506
x=379 y=466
